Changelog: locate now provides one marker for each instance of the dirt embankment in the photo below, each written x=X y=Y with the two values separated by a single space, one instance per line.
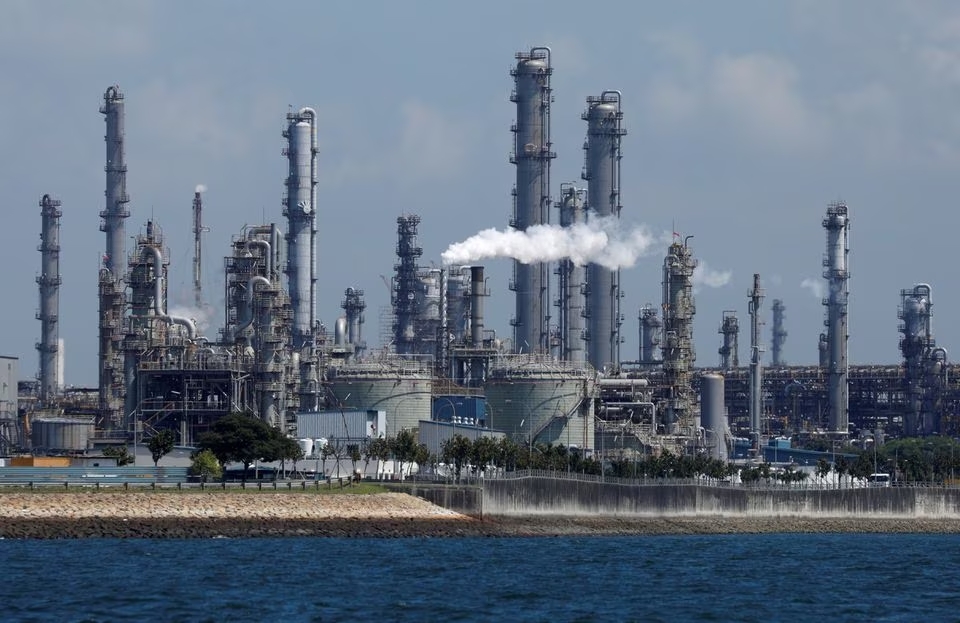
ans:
x=233 y=514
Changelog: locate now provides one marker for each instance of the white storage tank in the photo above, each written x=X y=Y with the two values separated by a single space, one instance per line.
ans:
x=548 y=401
x=306 y=445
x=400 y=388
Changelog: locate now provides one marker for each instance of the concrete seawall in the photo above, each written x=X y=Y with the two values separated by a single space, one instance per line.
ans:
x=548 y=496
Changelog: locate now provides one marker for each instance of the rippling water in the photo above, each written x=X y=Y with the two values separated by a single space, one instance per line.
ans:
x=686 y=578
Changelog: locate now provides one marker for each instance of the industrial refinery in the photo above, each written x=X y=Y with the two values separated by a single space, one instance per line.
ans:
x=558 y=375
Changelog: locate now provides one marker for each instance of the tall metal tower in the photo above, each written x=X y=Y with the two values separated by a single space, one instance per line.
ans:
x=532 y=153
x=651 y=329
x=730 y=351
x=571 y=280
x=111 y=295
x=924 y=364
x=755 y=297
x=678 y=351
x=406 y=286
x=353 y=306
x=198 y=230
x=779 y=333
x=837 y=224
x=300 y=210
x=116 y=211
x=49 y=282
x=602 y=172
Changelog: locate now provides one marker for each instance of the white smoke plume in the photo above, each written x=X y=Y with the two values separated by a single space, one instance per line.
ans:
x=201 y=188
x=201 y=316
x=814 y=285
x=703 y=275
x=598 y=241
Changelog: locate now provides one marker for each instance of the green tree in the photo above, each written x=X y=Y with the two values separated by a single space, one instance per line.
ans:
x=404 y=448
x=161 y=444
x=823 y=468
x=241 y=438
x=121 y=454
x=421 y=456
x=841 y=465
x=378 y=449
x=482 y=452
x=456 y=451
x=206 y=465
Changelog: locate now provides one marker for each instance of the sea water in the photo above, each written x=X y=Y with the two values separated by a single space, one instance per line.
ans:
x=783 y=577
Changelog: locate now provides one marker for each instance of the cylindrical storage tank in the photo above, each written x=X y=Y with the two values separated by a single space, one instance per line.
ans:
x=401 y=389
x=61 y=434
x=306 y=445
x=712 y=415
x=542 y=402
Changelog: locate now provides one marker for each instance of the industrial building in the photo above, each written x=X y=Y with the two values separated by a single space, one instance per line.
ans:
x=557 y=379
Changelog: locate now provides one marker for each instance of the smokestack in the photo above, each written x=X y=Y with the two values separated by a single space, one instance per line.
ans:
x=49 y=282
x=602 y=172
x=531 y=155
x=476 y=306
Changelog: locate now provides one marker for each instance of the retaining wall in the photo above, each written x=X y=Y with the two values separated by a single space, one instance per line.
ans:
x=464 y=499
x=543 y=496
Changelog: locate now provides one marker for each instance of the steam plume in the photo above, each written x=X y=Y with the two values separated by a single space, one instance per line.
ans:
x=201 y=188
x=703 y=275
x=598 y=241
x=814 y=285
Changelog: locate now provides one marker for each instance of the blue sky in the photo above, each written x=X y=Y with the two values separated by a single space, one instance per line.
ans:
x=745 y=120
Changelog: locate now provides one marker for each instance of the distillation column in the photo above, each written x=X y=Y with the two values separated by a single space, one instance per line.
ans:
x=301 y=211
x=531 y=155
x=602 y=173
x=730 y=351
x=837 y=275
x=406 y=286
x=353 y=306
x=111 y=295
x=571 y=280
x=779 y=333
x=755 y=297
x=116 y=193
x=198 y=230
x=651 y=329
x=49 y=282
x=924 y=364
x=678 y=351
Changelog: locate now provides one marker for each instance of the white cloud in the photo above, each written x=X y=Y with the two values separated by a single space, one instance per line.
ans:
x=73 y=31
x=757 y=95
x=195 y=116
x=431 y=143
x=759 y=92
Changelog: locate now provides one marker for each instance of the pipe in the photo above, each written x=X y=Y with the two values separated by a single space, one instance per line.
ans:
x=476 y=306
x=250 y=286
x=158 y=295
x=266 y=253
x=624 y=382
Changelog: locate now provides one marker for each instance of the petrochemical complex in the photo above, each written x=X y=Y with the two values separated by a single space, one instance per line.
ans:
x=559 y=378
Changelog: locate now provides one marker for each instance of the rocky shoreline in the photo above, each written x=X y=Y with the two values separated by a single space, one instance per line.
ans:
x=386 y=515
